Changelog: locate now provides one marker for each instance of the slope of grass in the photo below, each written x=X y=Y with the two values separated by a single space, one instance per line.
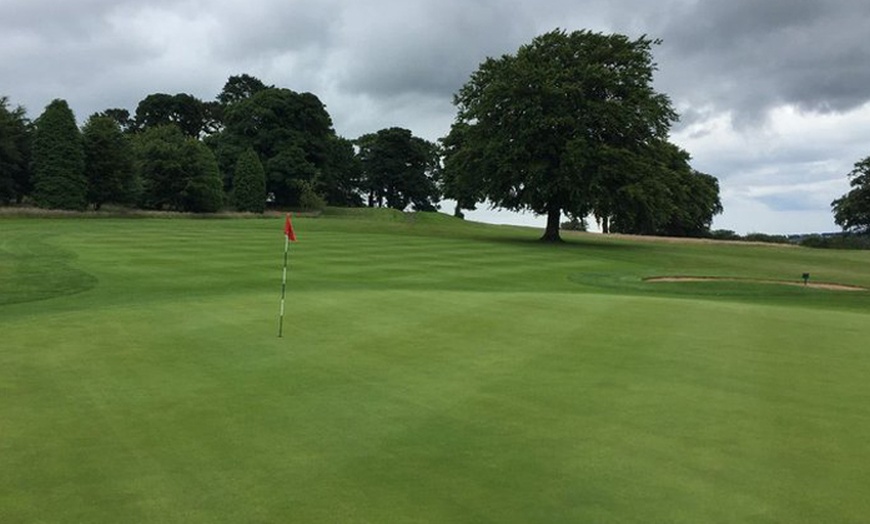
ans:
x=432 y=371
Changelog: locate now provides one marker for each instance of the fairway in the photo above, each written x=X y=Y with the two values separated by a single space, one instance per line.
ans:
x=431 y=370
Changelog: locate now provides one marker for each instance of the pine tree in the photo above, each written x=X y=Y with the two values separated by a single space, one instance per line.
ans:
x=108 y=162
x=15 y=145
x=249 y=183
x=59 y=160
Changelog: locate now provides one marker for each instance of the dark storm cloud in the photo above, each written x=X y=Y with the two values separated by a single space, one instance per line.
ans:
x=746 y=56
x=427 y=47
x=254 y=30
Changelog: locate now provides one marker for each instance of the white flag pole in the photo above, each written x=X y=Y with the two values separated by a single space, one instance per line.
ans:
x=283 y=285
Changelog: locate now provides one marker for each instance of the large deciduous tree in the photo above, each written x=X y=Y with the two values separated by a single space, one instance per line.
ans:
x=194 y=117
x=399 y=169
x=291 y=133
x=539 y=123
x=339 y=180
x=240 y=87
x=15 y=146
x=458 y=172
x=178 y=172
x=108 y=162
x=654 y=192
x=852 y=210
x=59 y=160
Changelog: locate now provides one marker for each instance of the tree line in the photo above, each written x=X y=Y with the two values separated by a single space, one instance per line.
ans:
x=568 y=125
x=254 y=145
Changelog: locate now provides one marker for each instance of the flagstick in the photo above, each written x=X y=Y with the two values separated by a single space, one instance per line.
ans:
x=283 y=286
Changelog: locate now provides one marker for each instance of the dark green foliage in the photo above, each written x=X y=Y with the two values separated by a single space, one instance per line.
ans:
x=399 y=170
x=58 y=160
x=178 y=172
x=193 y=116
x=291 y=133
x=575 y=224
x=15 y=148
x=249 y=184
x=655 y=192
x=766 y=238
x=852 y=210
x=538 y=123
x=724 y=234
x=109 y=162
x=340 y=178
x=309 y=200
x=204 y=190
x=458 y=174
x=240 y=87
x=844 y=241
x=121 y=116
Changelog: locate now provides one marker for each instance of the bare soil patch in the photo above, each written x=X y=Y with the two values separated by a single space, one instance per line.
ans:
x=817 y=285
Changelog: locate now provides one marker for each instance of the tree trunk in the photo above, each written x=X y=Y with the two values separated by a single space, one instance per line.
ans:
x=552 y=232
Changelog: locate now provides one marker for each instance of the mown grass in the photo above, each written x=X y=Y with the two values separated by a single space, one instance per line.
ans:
x=432 y=371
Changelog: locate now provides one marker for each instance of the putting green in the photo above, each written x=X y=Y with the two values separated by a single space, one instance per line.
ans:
x=432 y=371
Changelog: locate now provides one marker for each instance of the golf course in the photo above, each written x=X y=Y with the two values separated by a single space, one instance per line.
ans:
x=431 y=370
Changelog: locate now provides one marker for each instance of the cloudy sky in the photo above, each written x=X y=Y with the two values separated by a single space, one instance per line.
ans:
x=774 y=94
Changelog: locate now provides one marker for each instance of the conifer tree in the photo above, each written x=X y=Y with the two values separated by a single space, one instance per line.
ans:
x=59 y=160
x=108 y=162
x=249 y=183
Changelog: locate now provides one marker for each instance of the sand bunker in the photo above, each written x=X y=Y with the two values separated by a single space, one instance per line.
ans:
x=816 y=285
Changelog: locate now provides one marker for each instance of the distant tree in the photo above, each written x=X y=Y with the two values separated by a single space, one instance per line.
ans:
x=177 y=172
x=240 y=87
x=399 y=169
x=852 y=210
x=575 y=224
x=121 y=117
x=339 y=179
x=15 y=148
x=460 y=179
x=654 y=192
x=204 y=190
x=190 y=114
x=213 y=118
x=290 y=132
x=538 y=122
x=58 y=160
x=249 y=185
x=109 y=162
x=696 y=202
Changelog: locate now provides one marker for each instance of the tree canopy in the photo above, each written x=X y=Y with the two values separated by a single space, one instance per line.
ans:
x=15 y=146
x=540 y=126
x=852 y=210
x=655 y=192
x=178 y=172
x=289 y=131
x=569 y=124
x=240 y=87
x=399 y=169
x=108 y=162
x=190 y=114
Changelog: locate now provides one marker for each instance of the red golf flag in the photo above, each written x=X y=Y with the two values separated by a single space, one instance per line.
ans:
x=288 y=229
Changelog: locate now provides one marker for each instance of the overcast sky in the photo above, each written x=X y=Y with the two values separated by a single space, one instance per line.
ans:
x=774 y=94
